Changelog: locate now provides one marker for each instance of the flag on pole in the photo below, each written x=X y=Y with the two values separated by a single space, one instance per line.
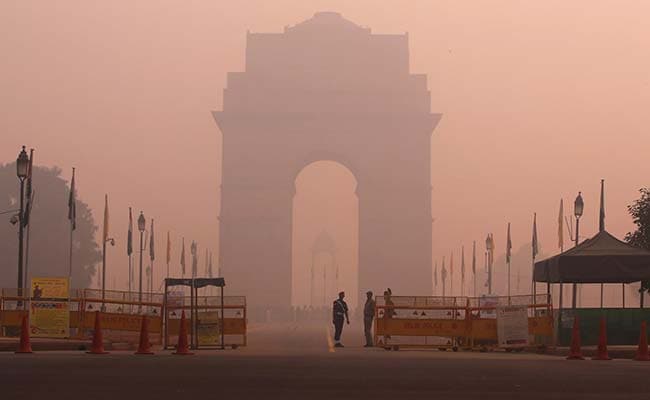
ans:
x=534 y=243
x=105 y=230
x=152 y=251
x=462 y=265
x=183 y=258
x=492 y=249
x=193 y=251
x=207 y=262
x=443 y=273
x=601 y=219
x=451 y=265
x=508 y=246
x=560 y=226
x=169 y=249
x=474 y=258
x=435 y=275
x=129 y=236
x=489 y=244
x=72 y=204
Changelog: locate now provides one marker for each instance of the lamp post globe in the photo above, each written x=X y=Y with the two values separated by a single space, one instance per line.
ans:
x=142 y=223
x=22 y=164
x=578 y=206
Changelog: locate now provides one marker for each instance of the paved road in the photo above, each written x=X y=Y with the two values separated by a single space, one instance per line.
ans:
x=296 y=362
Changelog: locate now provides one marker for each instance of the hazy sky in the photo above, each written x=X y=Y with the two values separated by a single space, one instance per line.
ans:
x=540 y=100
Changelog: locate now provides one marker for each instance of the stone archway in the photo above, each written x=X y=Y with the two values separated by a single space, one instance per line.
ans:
x=326 y=89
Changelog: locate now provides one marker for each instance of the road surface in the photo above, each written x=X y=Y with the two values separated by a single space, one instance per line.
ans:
x=297 y=362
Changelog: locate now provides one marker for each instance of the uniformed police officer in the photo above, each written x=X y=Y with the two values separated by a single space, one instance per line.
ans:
x=368 y=316
x=339 y=314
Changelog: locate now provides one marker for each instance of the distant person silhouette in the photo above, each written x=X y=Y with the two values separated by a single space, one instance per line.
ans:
x=389 y=311
x=339 y=314
x=38 y=292
x=368 y=316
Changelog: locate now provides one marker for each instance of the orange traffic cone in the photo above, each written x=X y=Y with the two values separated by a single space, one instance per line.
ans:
x=98 y=338
x=575 y=353
x=25 y=346
x=601 y=353
x=145 y=346
x=642 y=351
x=182 y=349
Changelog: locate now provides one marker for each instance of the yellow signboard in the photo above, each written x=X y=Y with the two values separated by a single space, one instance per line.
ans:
x=49 y=319
x=49 y=310
x=50 y=288
x=208 y=329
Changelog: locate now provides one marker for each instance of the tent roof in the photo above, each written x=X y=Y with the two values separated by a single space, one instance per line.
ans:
x=600 y=259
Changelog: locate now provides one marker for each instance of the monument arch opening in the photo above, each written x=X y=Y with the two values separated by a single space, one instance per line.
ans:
x=325 y=235
x=326 y=89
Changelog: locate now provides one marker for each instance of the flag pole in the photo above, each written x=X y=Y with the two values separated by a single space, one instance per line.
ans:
x=444 y=277
x=104 y=240
x=462 y=273
x=601 y=228
x=534 y=252
x=71 y=217
x=508 y=257
x=451 y=274
x=474 y=265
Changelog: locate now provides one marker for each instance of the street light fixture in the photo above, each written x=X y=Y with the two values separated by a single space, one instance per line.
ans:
x=22 y=164
x=142 y=224
x=578 y=206
x=578 y=210
x=22 y=168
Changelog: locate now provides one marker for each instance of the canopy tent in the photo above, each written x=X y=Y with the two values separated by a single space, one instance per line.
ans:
x=601 y=259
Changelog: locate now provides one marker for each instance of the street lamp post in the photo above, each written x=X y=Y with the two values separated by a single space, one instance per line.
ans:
x=22 y=166
x=578 y=209
x=141 y=228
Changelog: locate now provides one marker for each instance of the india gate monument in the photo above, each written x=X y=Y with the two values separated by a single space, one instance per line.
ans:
x=326 y=89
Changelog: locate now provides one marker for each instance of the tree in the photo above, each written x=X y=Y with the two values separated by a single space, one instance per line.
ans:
x=49 y=239
x=640 y=212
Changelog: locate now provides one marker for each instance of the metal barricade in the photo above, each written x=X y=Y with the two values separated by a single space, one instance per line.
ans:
x=420 y=322
x=121 y=314
x=482 y=319
x=208 y=323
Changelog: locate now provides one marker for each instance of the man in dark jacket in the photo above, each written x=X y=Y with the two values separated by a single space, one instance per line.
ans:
x=339 y=314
